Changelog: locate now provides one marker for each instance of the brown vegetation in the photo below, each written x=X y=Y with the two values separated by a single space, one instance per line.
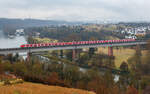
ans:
x=30 y=88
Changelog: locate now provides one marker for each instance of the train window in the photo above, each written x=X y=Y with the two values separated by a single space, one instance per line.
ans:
x=109 y=40
x=30 y=45
x=34 y=45
x=62 y=43
x=75 y=42
x=79 y=42
x=70 y=43
x=94 y=42
x=67 y=43
x=91 y=42
x=45 y=44
x=39 y=45
x=27 y=45
x=52 y=44
x=84 y=42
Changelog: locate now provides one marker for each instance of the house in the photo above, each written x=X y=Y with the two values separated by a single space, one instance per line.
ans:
x=131 y=37
x=19 y=32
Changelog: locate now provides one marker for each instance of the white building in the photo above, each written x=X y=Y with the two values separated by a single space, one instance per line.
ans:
x=130 y=37
x=19 y=32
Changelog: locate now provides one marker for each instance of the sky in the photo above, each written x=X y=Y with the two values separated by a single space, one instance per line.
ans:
x=77 y=10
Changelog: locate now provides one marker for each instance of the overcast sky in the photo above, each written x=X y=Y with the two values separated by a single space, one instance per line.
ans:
x=77 y=10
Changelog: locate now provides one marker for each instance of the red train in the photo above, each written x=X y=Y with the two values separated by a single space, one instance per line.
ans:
x=76 y=43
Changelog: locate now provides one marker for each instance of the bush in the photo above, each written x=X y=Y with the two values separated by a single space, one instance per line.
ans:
x=1 y=83
x=16 y=81
x=7 y=82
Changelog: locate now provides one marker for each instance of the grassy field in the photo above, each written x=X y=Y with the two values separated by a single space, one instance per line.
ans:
x=121 y=54
x=31 y=88
x=45 y=40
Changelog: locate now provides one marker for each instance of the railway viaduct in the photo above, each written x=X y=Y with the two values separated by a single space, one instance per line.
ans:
x=73 y=47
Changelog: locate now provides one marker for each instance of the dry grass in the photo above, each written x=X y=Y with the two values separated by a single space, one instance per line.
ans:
x=30 y=88
x=120 y=54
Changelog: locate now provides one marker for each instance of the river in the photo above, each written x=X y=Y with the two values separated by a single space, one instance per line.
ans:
x=6 y=42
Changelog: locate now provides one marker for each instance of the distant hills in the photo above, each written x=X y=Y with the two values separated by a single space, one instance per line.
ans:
x=23 y=23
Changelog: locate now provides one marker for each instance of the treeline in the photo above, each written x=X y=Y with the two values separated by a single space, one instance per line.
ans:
x=92 y=59
x=58 y=74
x=73 y=33
x=66 y=76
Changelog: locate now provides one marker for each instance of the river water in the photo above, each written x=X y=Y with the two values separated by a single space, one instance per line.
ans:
x=6 y=42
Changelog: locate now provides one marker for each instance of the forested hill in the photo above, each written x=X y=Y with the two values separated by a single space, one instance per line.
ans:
x=32 y=22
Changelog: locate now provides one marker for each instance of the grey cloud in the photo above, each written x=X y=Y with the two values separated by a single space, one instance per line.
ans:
x=130 y=10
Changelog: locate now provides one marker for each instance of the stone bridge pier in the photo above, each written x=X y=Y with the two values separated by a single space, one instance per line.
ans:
x=28 y=56
x=76 y=54
x=92 y=51
x=61 y=54
x=110 y=51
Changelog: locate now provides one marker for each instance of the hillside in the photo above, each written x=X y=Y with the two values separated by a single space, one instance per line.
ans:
x=31 y=88
x=23 y=23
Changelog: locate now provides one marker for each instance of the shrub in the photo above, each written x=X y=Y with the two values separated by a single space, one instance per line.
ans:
x=16 y=81
x=1 y=83
x=7 y=82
